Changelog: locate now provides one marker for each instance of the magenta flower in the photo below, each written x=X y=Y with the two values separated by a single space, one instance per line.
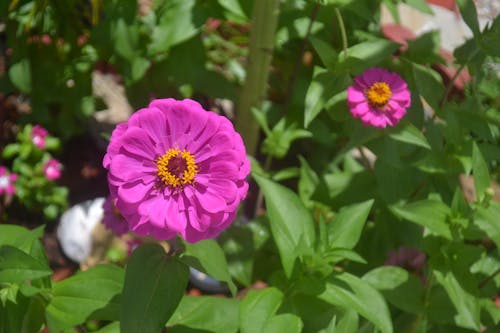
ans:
x=378 y=97
x=7 y=181
x=52 y=169
x=38 y=135
x=112 y=218
x=175 y=168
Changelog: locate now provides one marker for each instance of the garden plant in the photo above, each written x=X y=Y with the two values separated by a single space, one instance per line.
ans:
x=327 y=175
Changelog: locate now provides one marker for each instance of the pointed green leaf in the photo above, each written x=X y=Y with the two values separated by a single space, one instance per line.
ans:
x=291 y=224
x=386 y=277
x=469 y=14
x=17 y=266
x=488 y=219
x=154 y=286
x=257 y=308
x=432 y=214
x=480 y=171
x=360 y=296
x=467 y=305
x=208 y=257
x=286 y=322
x=75 y=299
x=326 y=53
x=205 y=314
x=408 y=133
x=429 y=85
x=345 y=230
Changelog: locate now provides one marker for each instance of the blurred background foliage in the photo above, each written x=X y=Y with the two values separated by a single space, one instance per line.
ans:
x=420 y=180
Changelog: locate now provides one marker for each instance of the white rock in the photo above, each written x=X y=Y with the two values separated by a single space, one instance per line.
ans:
x=75 y=228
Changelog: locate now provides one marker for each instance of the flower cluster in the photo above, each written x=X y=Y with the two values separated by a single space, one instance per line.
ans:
x=177 y=169
x=34 y=171
x=379 y=98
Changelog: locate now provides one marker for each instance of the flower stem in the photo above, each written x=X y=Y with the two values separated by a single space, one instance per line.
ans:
x=342 y=30
x=262 y=37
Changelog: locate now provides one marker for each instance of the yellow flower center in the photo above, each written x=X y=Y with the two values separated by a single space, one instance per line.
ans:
x=379 y=94
x=176 y=168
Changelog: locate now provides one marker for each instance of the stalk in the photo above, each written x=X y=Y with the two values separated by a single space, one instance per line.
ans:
x=262 y=36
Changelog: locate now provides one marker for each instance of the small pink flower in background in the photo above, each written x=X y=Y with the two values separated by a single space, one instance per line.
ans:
x=409 y=258
x=52 y=169
x=112 y=219
x=175 y=168
x=378 y=97
x=38 y=135
x=7 y=181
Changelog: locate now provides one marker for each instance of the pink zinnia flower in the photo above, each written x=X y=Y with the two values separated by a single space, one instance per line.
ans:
x=52 y=169
x=7 y=181
x=378 y=97
x=112 y=218
x=175 y=168
x=38 y=135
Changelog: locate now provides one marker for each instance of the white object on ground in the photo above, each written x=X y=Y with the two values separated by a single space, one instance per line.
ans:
x=75 y=228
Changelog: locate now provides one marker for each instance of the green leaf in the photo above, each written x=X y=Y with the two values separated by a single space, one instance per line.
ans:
x=26 y=316
x=92 y=293
x=467 y=305
x=348 y=323
x=234 y=7
x=257 y=308
x=430 y=213
x=408 y=133
x=154 y=286
x=338 y=254
x=326 y=53
x=346 y=228
x=424 y=49
x=125 y=39
x=487 y=219
x=291 y=224
x=350 y=292
x=286 y=322
x=421 y=5
x=9 y=293
x=480 y=171
x=208 y=257
x=19 y=237
x=386 y=277
x=20 y=75
x=469 y=14
x=241 y=245
x=308 y=181
x=323 y=89
x=17 y=266
x=429 y=85
x=365 y=55
x=175 y=26
x=110 y=328
x=408 y=296
x=10 y=150
x=205 y=313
